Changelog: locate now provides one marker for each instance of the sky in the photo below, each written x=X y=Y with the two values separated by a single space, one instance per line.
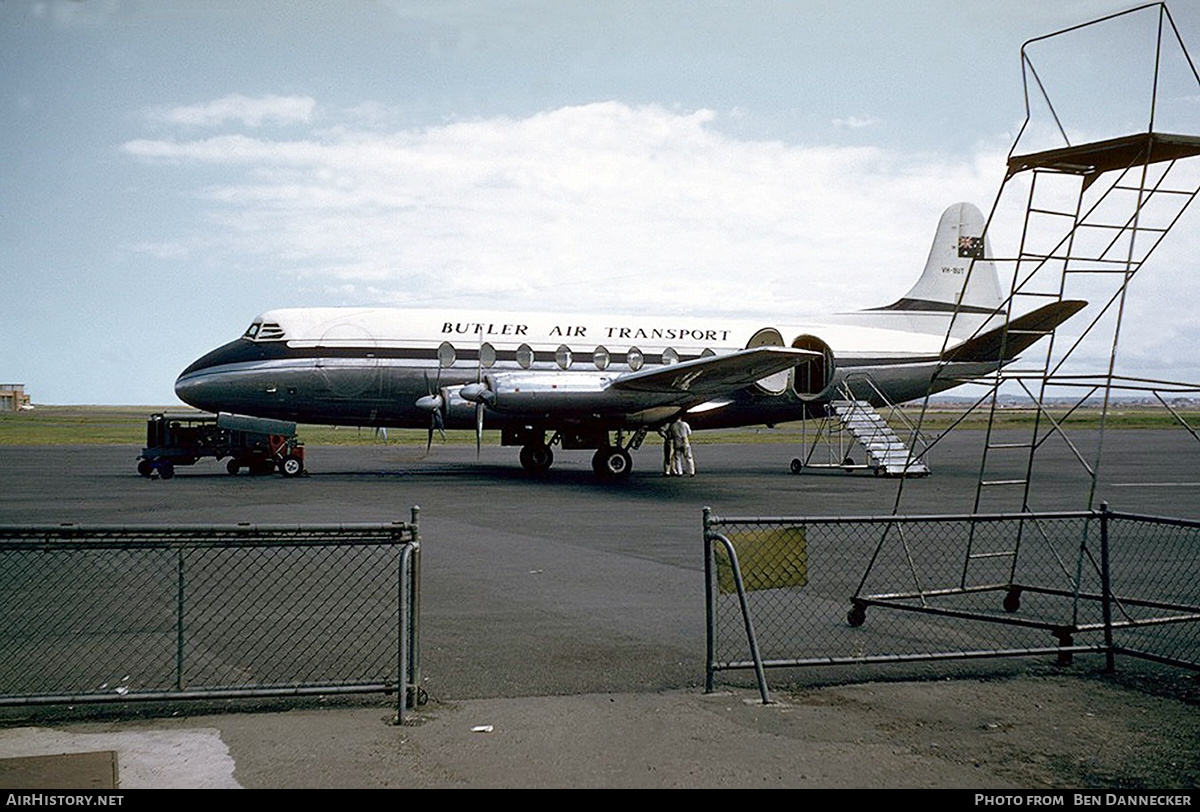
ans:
x=172 y=168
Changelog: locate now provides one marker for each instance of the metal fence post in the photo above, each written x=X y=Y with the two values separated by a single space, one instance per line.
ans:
x=179 y=626
x=415 y=606
x=709 y=607
x=1106 y=591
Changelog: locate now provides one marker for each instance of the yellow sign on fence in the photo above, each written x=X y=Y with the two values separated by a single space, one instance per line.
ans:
x=769 y=559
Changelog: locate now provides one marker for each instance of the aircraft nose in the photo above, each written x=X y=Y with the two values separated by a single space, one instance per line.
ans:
x=204 y=383
x=201 y=390
x=188 y=389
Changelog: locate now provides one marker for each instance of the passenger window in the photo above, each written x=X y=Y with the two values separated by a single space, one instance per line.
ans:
x=487 y=355
x=563 y=357
x=634 y=358
x=708 y=353
x=669 y=356
x=446 y=355
x=525 y=356
x=601 y=358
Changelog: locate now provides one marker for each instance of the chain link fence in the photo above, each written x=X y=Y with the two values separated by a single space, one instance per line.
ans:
x=92 y=614
x=803 y=591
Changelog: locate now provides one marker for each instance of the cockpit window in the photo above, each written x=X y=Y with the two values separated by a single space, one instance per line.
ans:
x=264 y=331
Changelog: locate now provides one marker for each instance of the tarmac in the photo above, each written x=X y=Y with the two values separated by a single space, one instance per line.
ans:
x=563 y=641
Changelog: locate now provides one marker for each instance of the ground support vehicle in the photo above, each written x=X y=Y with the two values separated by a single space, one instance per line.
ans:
x=256 y=444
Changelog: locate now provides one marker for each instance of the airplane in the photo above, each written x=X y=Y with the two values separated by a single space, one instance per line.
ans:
x=602 y=382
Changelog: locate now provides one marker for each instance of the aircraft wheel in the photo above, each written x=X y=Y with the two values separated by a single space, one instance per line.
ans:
x=1012 y=600
x=233 y=466
x=145 y=468
x=166 y=469
x=797 y=466
x=536 y=458
x=612 y=463
x=856 y=616
x=291 y=466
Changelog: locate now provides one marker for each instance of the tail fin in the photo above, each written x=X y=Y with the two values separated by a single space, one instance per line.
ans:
x=959 y=240
x=959 y=246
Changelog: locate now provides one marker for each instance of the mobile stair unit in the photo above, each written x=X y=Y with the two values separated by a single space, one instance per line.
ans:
x=854 y=423
x=887 y=454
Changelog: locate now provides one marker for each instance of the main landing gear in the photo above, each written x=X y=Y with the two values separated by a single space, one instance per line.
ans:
x=612 y=462
x=612 y=459
x=536 y=458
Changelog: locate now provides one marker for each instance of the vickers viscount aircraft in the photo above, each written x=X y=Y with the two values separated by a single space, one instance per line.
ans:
x=603 y=381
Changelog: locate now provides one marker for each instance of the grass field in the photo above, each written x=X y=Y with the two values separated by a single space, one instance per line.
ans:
x=114 y=425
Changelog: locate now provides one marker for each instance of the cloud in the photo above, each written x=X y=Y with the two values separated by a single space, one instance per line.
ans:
x=251 y=112
x=595 y=207
x=581 y=207
x=854 y=122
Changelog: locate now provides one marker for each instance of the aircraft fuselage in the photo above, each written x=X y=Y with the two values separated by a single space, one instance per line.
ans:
x=371 y=366
x=581 y=378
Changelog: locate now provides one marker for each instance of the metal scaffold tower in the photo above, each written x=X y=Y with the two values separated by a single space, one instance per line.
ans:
x=1081 y=209
x=1093 y=213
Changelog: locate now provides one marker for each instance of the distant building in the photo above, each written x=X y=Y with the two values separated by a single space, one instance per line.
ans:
x=13 y=397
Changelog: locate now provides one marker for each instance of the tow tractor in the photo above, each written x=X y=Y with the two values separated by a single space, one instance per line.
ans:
x=259 y=445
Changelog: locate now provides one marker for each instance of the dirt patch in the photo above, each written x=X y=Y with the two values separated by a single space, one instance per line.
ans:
x=1100 y=731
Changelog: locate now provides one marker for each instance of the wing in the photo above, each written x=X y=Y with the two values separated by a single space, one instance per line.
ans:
x=715 y=375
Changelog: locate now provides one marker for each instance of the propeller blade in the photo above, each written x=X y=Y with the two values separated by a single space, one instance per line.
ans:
x=479 y=360
x=478 y=430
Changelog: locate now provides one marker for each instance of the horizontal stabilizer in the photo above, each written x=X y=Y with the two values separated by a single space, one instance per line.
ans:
x=716 y=374
x=1015 y=337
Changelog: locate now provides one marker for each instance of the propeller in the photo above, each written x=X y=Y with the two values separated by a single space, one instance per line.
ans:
x=482 y=396
x=435 y=404
x=479 y=394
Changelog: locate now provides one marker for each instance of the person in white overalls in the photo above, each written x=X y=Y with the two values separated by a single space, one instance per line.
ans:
x=681 y=444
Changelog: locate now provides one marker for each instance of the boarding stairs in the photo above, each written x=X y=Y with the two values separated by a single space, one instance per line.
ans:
x=887 y=454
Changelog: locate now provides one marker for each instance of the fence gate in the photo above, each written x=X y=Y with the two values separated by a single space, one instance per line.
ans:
x=95 y=614
x=804 y=591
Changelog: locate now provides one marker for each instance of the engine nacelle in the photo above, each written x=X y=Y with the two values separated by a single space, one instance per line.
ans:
x=534 y=393
x=775 y=384
x=814 y=380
